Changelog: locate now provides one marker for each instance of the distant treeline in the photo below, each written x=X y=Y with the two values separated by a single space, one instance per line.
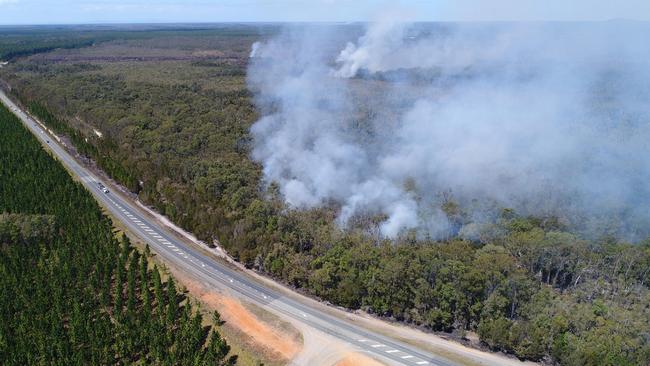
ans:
x=71 y=293
x=24 y=41
x=10 y=52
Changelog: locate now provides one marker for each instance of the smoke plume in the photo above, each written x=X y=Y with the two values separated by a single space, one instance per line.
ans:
x=437 y=127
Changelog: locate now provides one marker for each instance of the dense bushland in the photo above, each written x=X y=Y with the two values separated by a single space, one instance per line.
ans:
x=527 y=286
x=29 y=40
x=70 y=292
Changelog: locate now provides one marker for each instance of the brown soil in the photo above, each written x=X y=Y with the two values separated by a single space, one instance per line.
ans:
x=261 y=334
x=356 y=359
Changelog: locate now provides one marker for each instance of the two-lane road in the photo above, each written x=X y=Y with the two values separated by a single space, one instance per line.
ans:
x=185 y=255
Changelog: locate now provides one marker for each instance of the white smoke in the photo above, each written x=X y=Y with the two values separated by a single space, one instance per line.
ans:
x=254 y=48
x=549 y=119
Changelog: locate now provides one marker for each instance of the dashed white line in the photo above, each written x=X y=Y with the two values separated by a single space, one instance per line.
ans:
x=377 y=345
x=422 y=363
x=392 y=351
x=407 y=357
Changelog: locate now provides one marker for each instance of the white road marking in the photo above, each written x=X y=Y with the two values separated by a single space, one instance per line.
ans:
x=407 y=357
x=392 y=351
x=362 y=340
x=377 y=345
x=422 y=363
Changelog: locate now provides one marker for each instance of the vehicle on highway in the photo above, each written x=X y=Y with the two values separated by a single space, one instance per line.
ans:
x=102 y=187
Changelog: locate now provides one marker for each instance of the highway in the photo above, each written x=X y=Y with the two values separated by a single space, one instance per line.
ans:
x=185 y=255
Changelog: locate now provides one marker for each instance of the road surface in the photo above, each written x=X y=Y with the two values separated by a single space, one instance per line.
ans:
x=211 y=271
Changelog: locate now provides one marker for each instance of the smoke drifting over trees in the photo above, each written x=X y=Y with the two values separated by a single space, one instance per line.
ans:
x=547 y=119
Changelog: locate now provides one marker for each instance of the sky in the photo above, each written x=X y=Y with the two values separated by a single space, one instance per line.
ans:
x=172 y=11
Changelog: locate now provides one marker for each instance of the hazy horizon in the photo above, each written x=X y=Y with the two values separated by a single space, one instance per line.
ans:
x=80 y=12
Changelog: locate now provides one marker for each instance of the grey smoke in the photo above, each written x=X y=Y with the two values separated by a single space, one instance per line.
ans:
x=548 y=119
